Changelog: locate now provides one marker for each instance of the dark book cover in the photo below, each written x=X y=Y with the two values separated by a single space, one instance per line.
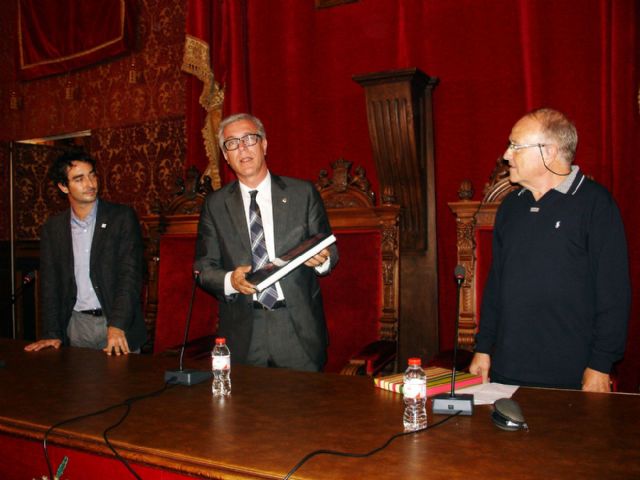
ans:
x=273 y=271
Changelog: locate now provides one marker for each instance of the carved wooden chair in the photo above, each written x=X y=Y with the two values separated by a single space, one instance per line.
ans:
x=171 y=237
x=361 y=296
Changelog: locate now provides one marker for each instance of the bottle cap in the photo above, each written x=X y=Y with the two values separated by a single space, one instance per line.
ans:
x=220 y=340
x=415 y=361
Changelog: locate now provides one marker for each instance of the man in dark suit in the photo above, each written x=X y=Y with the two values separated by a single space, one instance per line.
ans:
x=291 y=332
x=91 y=267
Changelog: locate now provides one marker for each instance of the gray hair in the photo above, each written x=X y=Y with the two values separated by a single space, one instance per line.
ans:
x=236 y=117
x=560 y=129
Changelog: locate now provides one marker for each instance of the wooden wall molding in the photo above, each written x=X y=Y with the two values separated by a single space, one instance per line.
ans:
x=399 y=113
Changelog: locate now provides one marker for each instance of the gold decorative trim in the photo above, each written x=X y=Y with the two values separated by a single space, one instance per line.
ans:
x=196 y=62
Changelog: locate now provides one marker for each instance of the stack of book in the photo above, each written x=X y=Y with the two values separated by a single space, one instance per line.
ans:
x=438 y=381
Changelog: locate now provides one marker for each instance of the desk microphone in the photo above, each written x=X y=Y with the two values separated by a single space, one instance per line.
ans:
x=181 y=376
x=450 y=403
x=27 y=279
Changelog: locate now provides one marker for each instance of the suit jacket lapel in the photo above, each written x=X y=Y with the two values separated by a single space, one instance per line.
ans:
x=235 y=207
x=280 y=207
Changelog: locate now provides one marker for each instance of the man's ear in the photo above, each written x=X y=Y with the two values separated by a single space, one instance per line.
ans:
x=64 y=188
x=264 y=146
x=553 y=150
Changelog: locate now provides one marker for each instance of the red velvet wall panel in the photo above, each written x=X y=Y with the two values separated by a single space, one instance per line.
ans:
x=351 y=313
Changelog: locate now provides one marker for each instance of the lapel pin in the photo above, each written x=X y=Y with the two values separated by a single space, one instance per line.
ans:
x=104 y=225
x=284 y=200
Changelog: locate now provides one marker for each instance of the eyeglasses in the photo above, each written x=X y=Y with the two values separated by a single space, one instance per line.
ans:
x=249 y=140
x=514 y=147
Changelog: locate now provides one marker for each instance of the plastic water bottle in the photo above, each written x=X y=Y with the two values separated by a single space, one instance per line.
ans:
x=221 y=368
x=415 y=396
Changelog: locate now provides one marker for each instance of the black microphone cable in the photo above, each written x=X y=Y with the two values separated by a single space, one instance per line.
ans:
x=367 y=454
x=125 y=403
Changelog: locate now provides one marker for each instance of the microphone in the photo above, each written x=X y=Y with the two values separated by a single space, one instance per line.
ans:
x=29 y=277
x=450 y=403
x=181 y=376
x=26 y=280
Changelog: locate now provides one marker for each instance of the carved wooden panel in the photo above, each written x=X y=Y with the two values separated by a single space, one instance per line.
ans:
x=472 y=215
x=399 y=113
x=400 y=127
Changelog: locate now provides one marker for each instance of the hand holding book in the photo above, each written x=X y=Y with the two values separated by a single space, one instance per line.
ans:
x=318 y=259
x=279 y=267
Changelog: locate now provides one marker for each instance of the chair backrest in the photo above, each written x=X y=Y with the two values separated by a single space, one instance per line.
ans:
x=361 y=296
x=171 y=238
x=474 y=225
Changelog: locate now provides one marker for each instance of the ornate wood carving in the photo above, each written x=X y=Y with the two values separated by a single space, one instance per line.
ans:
x=472 y=215
x=401 y=131
x=399 y=114
x=349 y=201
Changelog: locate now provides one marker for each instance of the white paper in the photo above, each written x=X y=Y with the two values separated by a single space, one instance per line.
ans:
x=487 y=393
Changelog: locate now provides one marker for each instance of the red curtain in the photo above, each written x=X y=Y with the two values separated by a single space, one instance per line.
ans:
x=496 y=60
x=222 y=25
x=61 y=35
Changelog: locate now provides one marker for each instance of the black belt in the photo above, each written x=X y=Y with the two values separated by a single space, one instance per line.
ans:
x=277 y=305
x=96 y=312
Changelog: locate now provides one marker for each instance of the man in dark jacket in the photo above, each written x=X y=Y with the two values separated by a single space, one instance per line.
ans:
x=285 y=327
x=91 y=267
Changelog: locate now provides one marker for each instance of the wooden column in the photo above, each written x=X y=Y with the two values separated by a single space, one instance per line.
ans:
x=399 y=114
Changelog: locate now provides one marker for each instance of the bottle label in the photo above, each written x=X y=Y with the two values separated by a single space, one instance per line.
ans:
x=220 y=362
x=415 y=388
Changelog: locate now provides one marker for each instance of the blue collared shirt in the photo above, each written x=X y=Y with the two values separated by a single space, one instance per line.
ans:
x=82 y=237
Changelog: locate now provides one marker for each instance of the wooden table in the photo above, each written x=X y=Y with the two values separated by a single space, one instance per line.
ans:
x=275 y=417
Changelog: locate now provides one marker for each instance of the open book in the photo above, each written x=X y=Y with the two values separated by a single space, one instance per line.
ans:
x=277 y=268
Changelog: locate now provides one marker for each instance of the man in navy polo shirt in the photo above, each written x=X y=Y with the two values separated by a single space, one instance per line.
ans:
x=556 y=304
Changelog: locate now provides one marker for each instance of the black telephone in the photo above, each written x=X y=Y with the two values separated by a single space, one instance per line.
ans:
x=507 y=415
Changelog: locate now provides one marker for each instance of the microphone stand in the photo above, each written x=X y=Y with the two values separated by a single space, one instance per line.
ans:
x=17 y=293
x=181 y=376
x=450 y=403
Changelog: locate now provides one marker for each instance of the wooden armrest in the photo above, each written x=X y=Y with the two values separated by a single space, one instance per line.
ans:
x=371 y=359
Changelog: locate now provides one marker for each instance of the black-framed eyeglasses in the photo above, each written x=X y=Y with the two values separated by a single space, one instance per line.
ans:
x=249 y=140
x=514 y=147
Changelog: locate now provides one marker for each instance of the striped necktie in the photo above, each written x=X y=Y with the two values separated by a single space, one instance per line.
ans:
x=259 y=255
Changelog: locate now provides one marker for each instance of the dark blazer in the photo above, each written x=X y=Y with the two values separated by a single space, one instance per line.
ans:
x=223 y=245
x=116 y=270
